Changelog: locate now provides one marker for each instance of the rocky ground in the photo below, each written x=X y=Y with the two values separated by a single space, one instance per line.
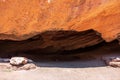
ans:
x=74 y=70
x=88 y=66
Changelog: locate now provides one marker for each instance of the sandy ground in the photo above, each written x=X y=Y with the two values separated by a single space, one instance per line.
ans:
x=73 y=70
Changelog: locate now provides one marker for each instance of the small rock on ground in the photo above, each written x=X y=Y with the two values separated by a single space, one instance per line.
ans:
x=112 y=61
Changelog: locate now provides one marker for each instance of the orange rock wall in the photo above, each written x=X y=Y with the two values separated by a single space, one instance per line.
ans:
x=22 y=19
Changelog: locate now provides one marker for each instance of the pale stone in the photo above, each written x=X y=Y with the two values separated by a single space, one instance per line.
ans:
x=18 y=61
x=112 y=61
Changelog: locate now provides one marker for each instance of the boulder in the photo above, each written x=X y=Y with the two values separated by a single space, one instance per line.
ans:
x=17 y=61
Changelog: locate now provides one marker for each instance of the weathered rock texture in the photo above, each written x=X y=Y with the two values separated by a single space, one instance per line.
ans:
x=20 y=20
x=16 y=61
x=58 y=23
x=51 y=42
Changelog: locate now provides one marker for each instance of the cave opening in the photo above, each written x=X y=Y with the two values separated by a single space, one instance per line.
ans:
x=59 y=45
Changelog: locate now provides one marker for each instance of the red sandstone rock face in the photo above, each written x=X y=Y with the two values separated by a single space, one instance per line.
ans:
x=55 y=25
x=20 y=20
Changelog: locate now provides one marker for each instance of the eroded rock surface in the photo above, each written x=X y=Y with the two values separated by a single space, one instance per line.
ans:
x=20 y=20
x=55 y=25
x=51 y=42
